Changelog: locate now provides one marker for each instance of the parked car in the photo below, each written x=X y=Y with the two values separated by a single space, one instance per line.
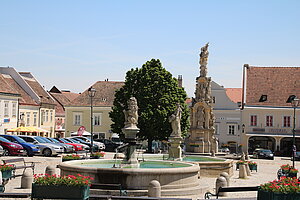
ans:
x=297 y=156
x=263 y=153
x=47 y=149
x=77 y=147
x=95 y=147
x=109 y=145
x=11 y=148
x=67 y=147
x=29 y=149
x=100 y=145
x=1 y=151
x=224 y=149
x=85 y=147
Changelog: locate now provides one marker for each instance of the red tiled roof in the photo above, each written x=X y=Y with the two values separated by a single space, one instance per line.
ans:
x=234 y=94
x=37 y=88
x=104 y=96
x=25 y=98
x=5 y=87
x=278 y=83
x=70 y=95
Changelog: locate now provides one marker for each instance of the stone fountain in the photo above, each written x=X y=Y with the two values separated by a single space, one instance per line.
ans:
x=176 y=178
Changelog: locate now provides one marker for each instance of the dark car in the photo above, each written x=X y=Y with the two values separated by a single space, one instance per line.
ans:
x=11 y=148
x=29 y=149
x=263 y=153
x=109 y=145
x=297 y=156
x=95 y=147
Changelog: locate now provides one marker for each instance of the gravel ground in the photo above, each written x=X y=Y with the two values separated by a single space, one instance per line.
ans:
x=267 y=171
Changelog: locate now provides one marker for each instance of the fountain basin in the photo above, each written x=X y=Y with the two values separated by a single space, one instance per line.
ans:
x=181 y=179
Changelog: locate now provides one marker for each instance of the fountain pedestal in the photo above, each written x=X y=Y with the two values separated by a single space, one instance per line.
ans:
x=175 y=151
x=130 y=138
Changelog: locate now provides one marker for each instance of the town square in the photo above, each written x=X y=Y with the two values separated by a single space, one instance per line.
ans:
x=149 y=100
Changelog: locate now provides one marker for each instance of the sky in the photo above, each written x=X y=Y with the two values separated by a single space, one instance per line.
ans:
x=72 y=44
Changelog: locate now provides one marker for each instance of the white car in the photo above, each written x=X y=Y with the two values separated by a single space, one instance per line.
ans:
x=100 y=145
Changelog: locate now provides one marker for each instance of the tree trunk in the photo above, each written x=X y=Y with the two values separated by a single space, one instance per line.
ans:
x=149 y=145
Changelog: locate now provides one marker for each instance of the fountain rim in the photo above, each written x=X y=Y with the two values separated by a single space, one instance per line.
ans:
x=69 y=165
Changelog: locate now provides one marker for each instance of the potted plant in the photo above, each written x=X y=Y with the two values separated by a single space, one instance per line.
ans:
x=61 y=187
x=6 y=171
x=252 y=165
x=287 y=170
x=238 y=163
x=71 y=157
x=97 y=155
x=286 y=188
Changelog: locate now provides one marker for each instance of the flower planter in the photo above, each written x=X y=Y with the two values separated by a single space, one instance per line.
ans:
x=60 y=192
x=95 y=157
x=7 y=174
x=253 y=167
x=265 y=195
x=63 y=160
x=292 y=175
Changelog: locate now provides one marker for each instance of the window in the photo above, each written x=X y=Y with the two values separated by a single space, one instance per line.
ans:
x=5 y=108
x=47 y=116
x=34 y=118
x=42 y=117
x=287 y=121
x=231 y=129
x=269 y=120
x=97 y=119
x=14 y=110
x=27 y=118
x=77 y=117
x=51 y=116
x=253 y=120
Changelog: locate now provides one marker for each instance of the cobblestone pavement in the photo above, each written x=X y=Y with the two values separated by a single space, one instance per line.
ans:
x=267 y=170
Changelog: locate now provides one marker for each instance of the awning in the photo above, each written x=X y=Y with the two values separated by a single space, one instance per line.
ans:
x=28 y=130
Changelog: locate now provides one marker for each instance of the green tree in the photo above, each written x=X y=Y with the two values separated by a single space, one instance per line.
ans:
x=157 y=94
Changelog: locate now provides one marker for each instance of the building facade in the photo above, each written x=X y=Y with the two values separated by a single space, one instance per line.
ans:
x=228 y=116
x=78 y=111
x=267 y=118
x=36 y=108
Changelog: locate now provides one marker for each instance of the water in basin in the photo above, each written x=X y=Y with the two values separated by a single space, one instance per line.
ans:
x=143 y=164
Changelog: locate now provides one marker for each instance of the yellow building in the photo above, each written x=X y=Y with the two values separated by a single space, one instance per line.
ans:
x=78 y=112
x=36 y=106
x=8 y=106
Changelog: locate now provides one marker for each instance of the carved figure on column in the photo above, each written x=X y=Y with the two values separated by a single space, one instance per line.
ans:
x=131 y=115
x=204 y=55
x=175 y=119
x=208 y=92
x=201 y=117
x=212 y=120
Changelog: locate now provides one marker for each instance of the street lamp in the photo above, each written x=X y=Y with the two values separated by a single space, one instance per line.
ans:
x=92 y=92
x=295 y=102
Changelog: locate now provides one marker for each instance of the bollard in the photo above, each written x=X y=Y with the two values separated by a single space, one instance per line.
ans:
x=221 y=182
x=248 y=169
x=50 y=169
x=242 y=171
x=154 y=189
x=26 y=180
x=226 y=175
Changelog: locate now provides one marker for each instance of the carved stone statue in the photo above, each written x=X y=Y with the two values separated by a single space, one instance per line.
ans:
x=175 y=121
x=131 y=115
x=204 y=55
x=201 y=117
x=212 y=120
x=208 y=92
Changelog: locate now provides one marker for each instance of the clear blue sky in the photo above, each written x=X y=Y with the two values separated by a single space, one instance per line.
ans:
x=72 y=44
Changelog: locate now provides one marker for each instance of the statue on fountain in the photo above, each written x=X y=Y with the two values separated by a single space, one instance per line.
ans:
x=175 y=121
x=131 y=115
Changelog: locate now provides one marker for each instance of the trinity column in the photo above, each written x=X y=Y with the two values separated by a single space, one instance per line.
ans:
x=202 y=132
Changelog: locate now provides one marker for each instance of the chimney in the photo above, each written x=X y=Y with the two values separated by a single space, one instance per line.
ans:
x=180 y=81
